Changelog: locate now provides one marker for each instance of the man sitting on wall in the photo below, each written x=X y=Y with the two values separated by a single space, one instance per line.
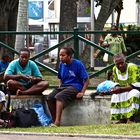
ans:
x=23 y=76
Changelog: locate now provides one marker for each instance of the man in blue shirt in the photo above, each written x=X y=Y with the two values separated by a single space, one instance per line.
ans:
x=73 y=83
x=23 y=76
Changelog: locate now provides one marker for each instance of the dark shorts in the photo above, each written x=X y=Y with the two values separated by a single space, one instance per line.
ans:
x=63 y=94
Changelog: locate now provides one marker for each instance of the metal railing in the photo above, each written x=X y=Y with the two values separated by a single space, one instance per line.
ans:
x=74 y=36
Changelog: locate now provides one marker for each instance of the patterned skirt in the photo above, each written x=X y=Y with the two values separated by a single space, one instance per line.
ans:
x=125 y=105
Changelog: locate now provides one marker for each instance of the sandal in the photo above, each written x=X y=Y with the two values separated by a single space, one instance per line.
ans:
x=4 y=124
x=53 y=125
x=7 y=124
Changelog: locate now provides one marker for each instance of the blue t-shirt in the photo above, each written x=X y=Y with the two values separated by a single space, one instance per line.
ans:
x=3 y=66
x=73 y=74
x=31 y=69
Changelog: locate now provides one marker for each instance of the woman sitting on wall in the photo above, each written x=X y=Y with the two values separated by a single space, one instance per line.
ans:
x=125 y=101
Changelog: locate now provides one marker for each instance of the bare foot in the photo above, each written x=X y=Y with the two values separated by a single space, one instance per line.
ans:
x=18 y=92
x=57 y=123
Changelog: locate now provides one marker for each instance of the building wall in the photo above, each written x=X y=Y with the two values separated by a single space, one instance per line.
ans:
x=128 y=14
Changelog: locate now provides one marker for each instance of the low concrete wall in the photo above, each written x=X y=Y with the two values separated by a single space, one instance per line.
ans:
x=88 y=111
x=26 y=101
x=81 y=112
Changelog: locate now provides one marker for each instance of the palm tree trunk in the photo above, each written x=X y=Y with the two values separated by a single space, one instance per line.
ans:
x=21 y=24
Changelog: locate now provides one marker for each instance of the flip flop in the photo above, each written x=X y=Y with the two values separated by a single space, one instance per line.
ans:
x=53 y=125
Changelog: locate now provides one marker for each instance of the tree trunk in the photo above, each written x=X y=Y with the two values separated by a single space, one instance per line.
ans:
x=118 y=18
x=68 y=20
x=107 y=8
x=82 y=11
x=8 y=15
x=21 y=24
x=68 y=17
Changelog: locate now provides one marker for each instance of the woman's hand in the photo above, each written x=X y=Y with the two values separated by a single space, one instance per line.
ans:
x=105 y=44
x=115 y=90
x=79 y=95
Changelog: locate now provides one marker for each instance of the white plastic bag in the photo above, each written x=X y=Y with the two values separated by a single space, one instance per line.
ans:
x=105 y=57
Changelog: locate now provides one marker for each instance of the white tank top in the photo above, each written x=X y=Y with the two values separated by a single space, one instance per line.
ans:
x=125 y=76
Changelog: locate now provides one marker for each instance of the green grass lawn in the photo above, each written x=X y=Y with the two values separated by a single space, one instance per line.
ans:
x=112 y=129
x=54 y=81
x=50 y=77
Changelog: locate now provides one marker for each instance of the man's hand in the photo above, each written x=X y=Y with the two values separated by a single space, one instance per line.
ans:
x=32 y=79
x=35 y=79
x=25 y=77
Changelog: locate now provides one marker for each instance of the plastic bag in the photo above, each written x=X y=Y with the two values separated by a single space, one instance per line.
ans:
x=43 y=118
x=106 y=86
x=105 y=57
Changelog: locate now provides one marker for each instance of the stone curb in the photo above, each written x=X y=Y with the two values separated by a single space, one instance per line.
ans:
x=72 y=135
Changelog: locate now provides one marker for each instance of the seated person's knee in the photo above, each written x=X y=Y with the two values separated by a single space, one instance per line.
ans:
x=9 y=82
x=44 y=84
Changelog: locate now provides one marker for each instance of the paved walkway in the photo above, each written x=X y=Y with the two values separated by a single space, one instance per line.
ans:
x=27 y=137
x=8 y=135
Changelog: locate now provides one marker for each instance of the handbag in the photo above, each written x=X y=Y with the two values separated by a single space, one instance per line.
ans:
x=26 y=118
x=19 y=117
x=105 y=57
